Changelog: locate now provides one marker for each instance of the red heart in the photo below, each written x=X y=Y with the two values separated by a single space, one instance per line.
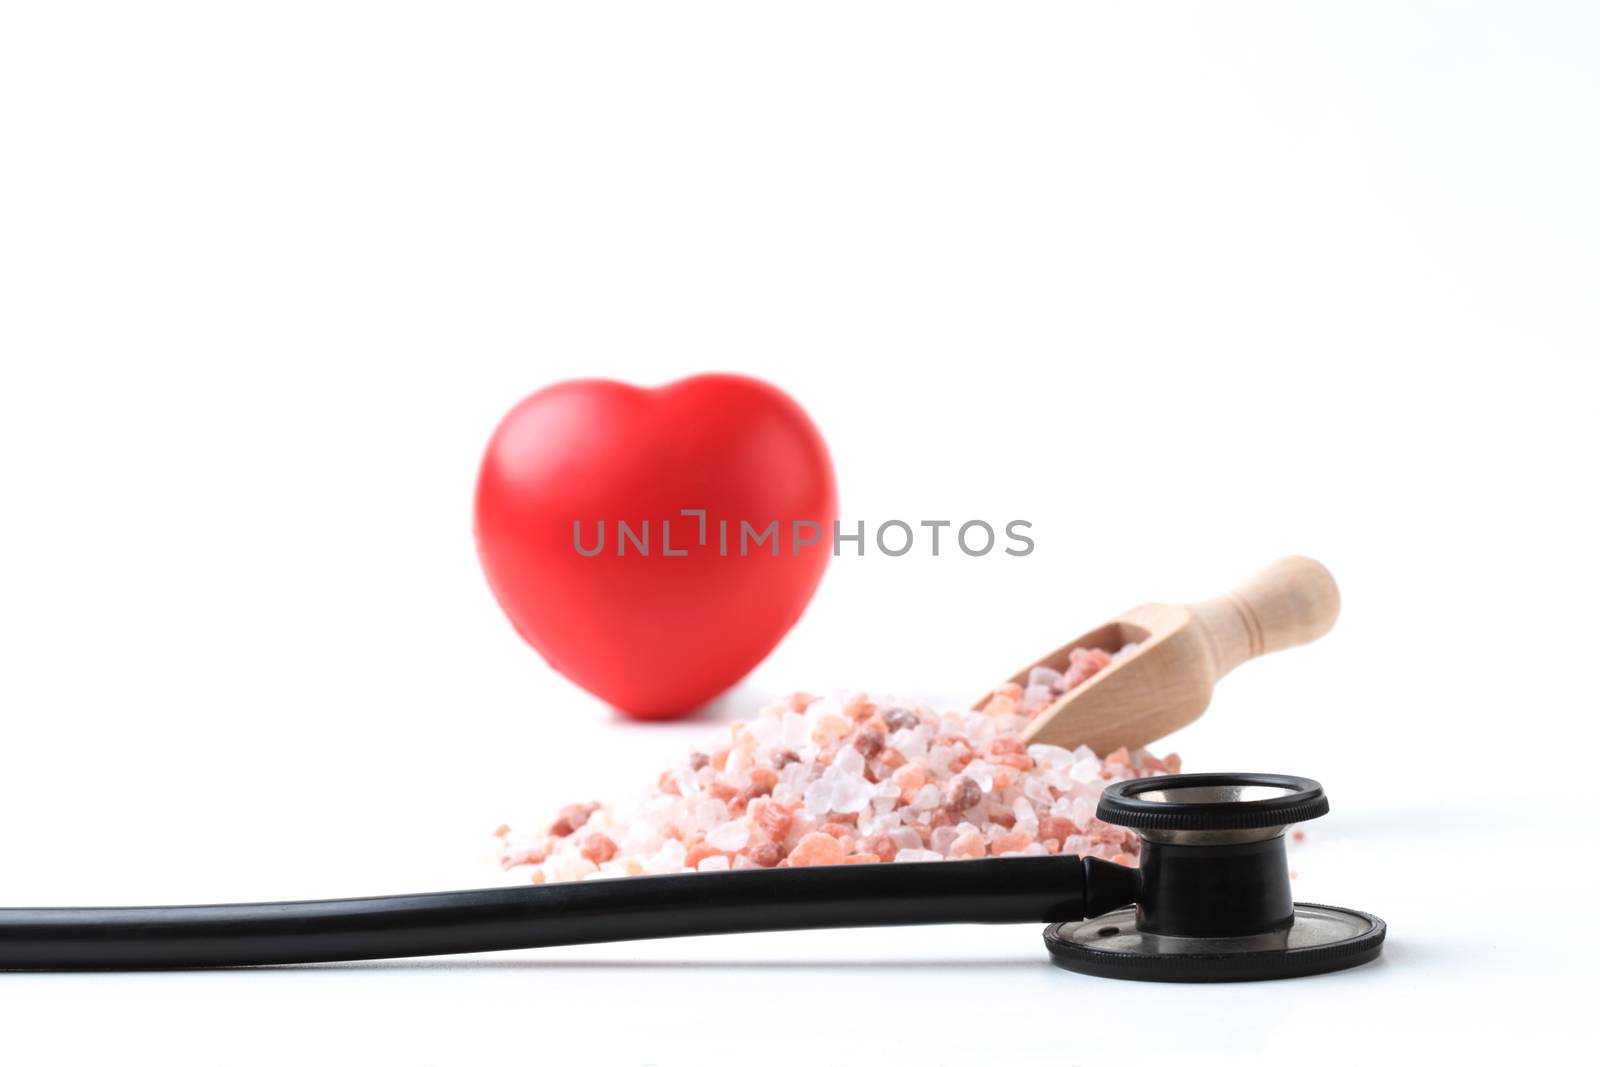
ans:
x=655 y=634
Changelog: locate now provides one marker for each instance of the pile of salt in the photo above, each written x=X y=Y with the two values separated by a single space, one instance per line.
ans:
x=827 y=780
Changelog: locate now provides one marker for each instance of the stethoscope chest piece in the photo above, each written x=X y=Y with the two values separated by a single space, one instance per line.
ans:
x=1214 y=896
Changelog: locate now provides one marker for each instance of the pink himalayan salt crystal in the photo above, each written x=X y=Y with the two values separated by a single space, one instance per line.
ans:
x=963 y=793
x=967 y=846
x=886 y=780
x=571 y=818
x=879 y=845
x=817 y=849
x=1083 y=664
x=597 y=848
x=911 y=778
x=1015 y=841
x=766 y=854
x=771 y=819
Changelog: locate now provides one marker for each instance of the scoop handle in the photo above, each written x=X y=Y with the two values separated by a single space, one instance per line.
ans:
x=1293 y=602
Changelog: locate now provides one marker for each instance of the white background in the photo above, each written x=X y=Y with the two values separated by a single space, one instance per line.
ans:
x=1188 y=286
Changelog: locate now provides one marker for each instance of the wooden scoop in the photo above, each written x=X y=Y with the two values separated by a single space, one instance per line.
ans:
x=1183 y=650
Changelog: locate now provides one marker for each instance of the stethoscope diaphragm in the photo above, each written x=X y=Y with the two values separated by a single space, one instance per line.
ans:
x=1319 y=940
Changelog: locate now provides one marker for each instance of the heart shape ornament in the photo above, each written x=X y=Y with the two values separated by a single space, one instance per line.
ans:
x=654 y=545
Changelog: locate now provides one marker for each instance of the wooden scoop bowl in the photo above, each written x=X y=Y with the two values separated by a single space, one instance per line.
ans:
x=1183 y=650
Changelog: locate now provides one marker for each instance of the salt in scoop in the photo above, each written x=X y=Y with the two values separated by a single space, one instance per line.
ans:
x=1183 y=649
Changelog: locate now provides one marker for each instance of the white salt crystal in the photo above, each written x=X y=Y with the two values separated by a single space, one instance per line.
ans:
x=671 y=854
x=1038 y=791
x=905 y=837
x=819 y=796
x=1008 y=725
x=1036 y=694
x=851 y=792
x=767 y=731
x=943 y=838
x=1082 y=810
x=729 y=837
x=1058 y=778
x=567 y=867
x=640 y=837
x=1045 y=676
x=663 y=807
x=912 y=743
x=879 y=824
x=974 y=724
x=820 y=709
x=1027 y=818
x=850 y=761
x=795 y=775
x=713 y=863
x=927 y=798
x=707 y=812
x=916 y=855
x=796 y=731
x=1050 y=755
x=1087 y=770
x=982 y=773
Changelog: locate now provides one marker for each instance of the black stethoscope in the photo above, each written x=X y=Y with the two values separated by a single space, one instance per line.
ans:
x=1209 y=902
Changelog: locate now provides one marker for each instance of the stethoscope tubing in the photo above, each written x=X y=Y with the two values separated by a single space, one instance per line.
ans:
x=1042 y=889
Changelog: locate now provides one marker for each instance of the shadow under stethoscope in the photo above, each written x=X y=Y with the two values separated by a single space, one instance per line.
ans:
x=1019 y=963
